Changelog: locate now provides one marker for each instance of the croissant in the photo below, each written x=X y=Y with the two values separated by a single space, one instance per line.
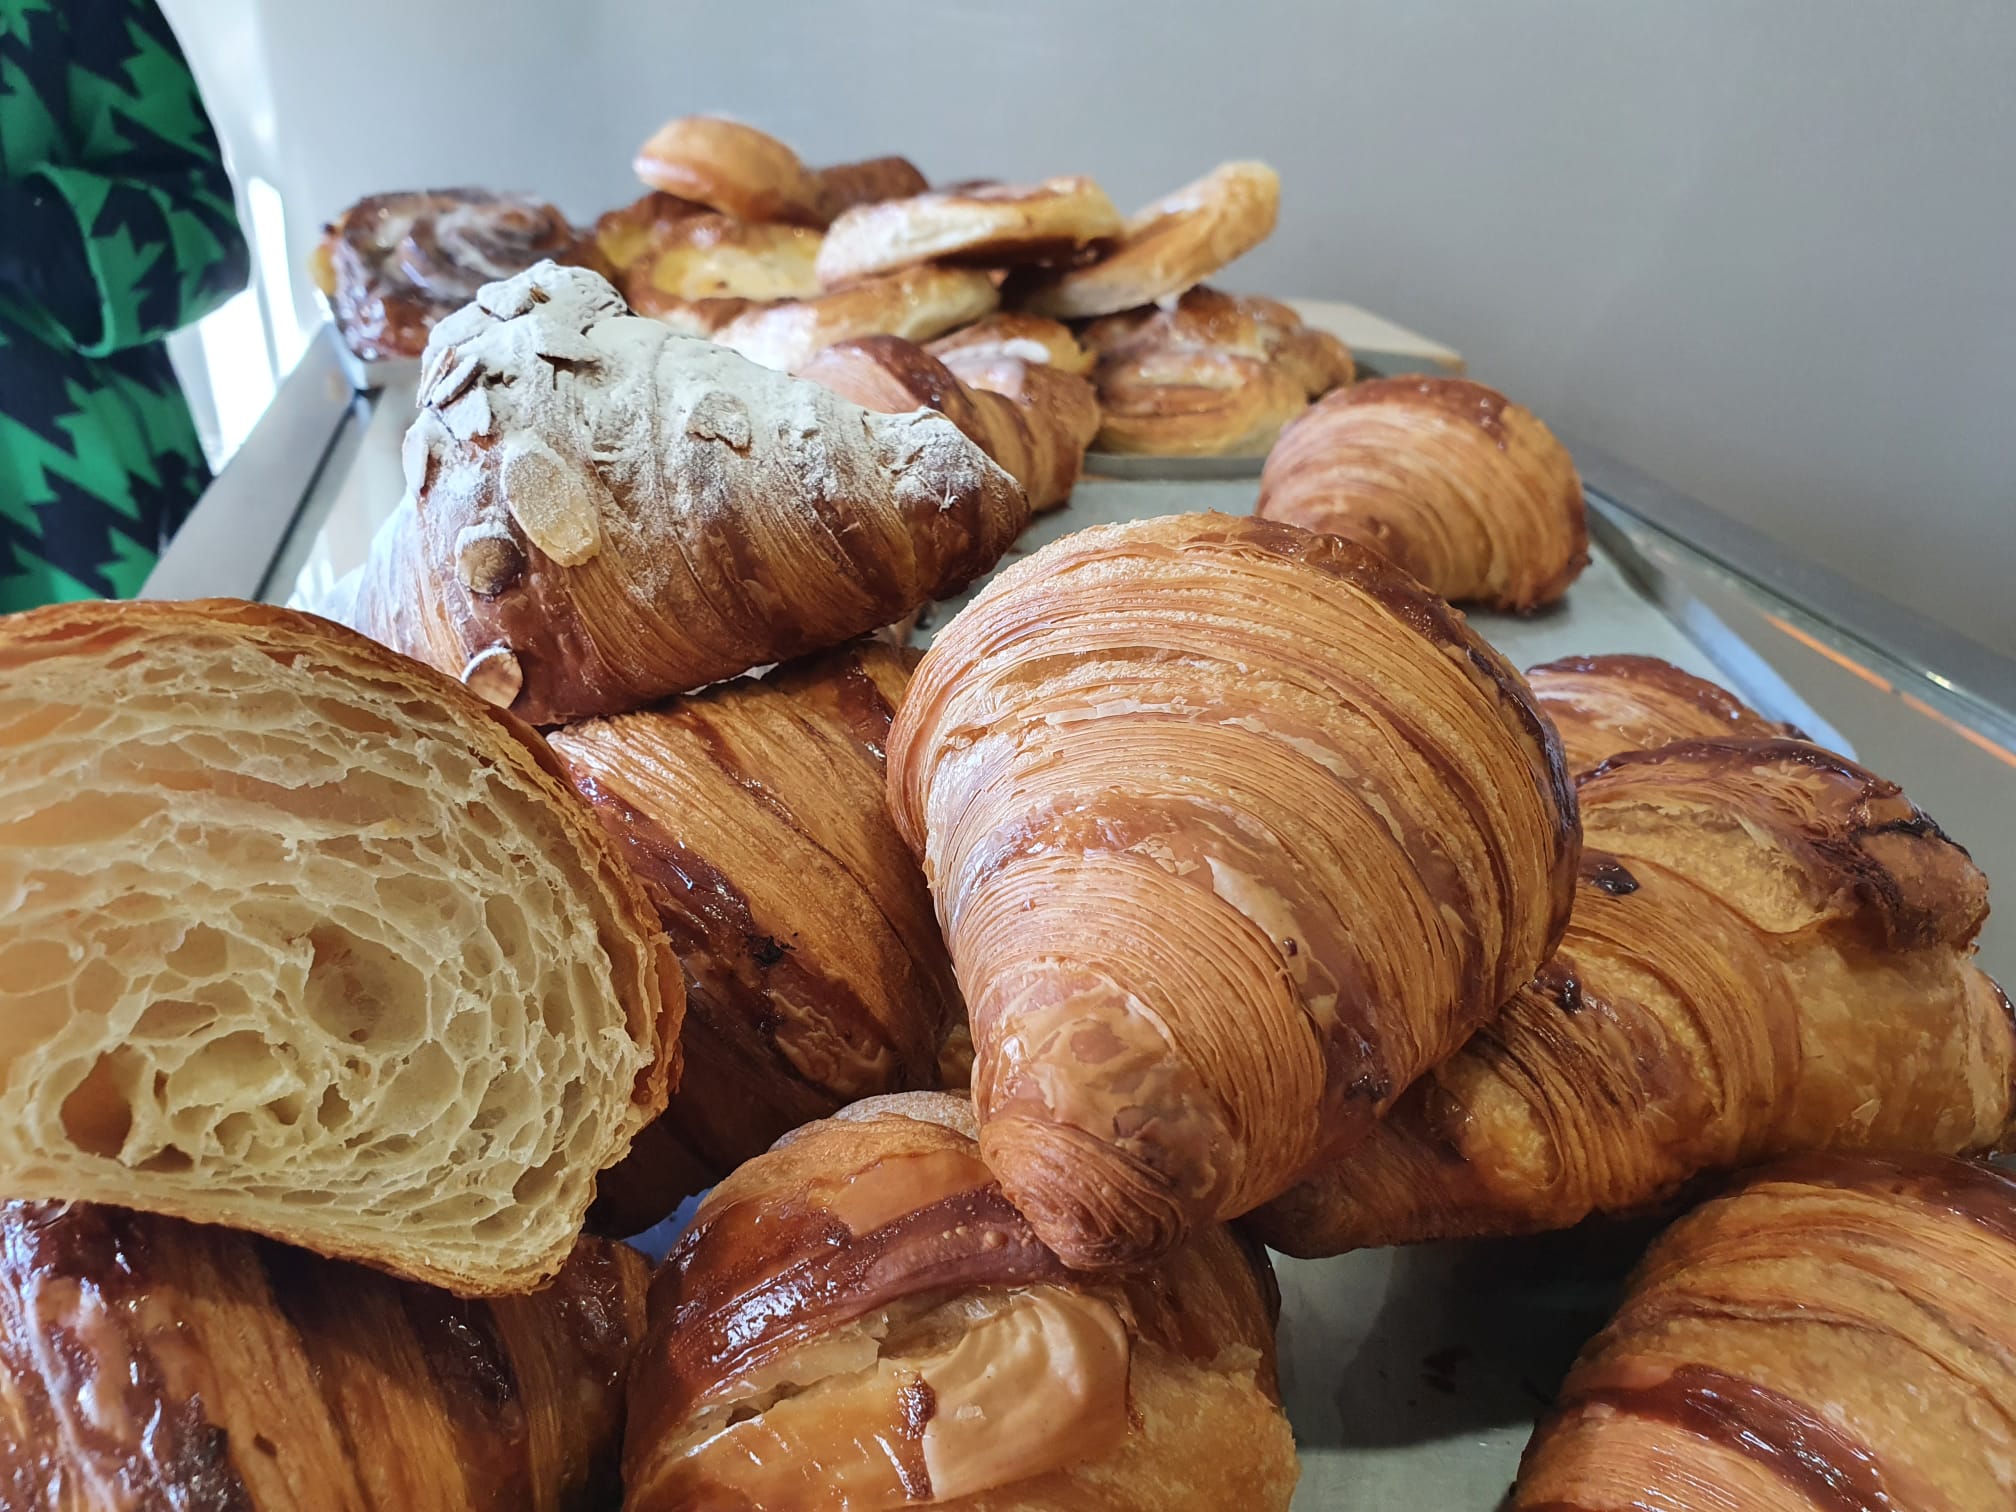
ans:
x=1194 y=404
x=1466 y=490
x=1603 y=706
x=754 y=813
x=914 y=303
x=1233 y=831
x=1771 y=951
x=605 y=513
x=304 y=938
x=146 y=1362
x=859 y=1319
x=1834 y=1335
x=1038 y=432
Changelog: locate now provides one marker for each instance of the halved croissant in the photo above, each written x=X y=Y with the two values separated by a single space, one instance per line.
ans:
x=1034 y=422
x=1771 y=951
x=302 y=937
x=1834 y=1335
x=146 y=1362
x=859 y=1319
x=1466 y=490
x=755 y=815
x=1234 y=830
x=1602 y=706
x=605 y=513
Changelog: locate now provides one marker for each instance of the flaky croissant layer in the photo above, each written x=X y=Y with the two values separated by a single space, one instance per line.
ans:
x=1771 y=951
x=1233 y=830
x=1836 y=1334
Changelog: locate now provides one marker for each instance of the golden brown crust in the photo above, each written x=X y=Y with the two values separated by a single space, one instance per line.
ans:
x=395 y=264
x=1180 y=240
x=845 y=185
x=1006 y=333
x=1149 y=781
x=147 y=1362
x=813 y=1330
x=1466 y=490
x=626 y=235
x=733 y=168
x=1603 y=706
x=330 y=659
x=916 y=304
x=985 y=225
x=755 y=816
x=1035 y=424
x=1835 y=1334
x=1194 y=404
x=1771 y=951
x=606 y=513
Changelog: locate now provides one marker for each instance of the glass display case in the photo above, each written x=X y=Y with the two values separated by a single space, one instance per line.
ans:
x=1412 y=1376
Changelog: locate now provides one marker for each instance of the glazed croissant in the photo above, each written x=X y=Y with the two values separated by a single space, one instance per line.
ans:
x=860 y=1320
x=1033 y=421
x=1771 y=951
x=302 y=937
x=605 y=513
x=1233 y=830
x=1604 y=705
x=755 y=815
x=1466 y=490
x=1834 y=1335
x=146 y=1362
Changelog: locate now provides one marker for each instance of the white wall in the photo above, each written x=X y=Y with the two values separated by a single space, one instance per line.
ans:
x=1765 y=251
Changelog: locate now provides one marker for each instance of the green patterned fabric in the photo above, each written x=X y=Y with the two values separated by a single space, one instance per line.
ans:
x=116 y=228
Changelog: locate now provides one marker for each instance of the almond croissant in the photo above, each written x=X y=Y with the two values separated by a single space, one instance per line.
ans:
x=1835 y=1336
x=1233 y=831
x=1466 y=490
x=755 y=816
x=859 y=1320
x=1771 y=951
x=146 y=1362
x=1602 y=706
x=1035 y=422
x=605 y=513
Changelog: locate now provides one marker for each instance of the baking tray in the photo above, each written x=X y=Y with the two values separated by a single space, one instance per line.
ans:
x=1412 y=1376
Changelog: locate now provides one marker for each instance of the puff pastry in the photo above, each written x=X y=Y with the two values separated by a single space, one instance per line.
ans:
x=1233 y=830
x=605 y=513
x=1771 y=951
x=1243 y=325
x=394 y=264
x=701 y=271
x=985 y=225
x=1605 y=705
x=860 y=1320
x=1176 y=403
x=733 y=168
x=1466 y=490
x=1033 y=422
x=1007 y=333
x=755 y=817
x=1173 y=244
x=146 y=1362
x=916 y=304
x=1835 y=1334
x=626 y=235
x=294 y=927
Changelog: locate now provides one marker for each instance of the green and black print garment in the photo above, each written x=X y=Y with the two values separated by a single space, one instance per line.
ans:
x=116 y=227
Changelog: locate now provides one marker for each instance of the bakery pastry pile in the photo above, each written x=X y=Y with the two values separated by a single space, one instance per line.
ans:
x=1209 y=880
